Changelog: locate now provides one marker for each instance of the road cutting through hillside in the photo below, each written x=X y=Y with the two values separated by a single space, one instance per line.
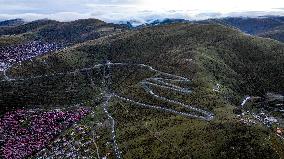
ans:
x=146 y=85
x=160 y=80
x=110 y=118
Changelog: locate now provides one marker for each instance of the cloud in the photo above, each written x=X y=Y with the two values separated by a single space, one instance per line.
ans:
x=255 y=13
x=140 y=11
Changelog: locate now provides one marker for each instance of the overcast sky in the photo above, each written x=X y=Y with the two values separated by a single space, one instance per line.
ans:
x=139 y=10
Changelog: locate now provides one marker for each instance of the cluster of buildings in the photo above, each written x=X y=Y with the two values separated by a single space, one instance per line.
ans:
x=268 y=105
x=25 y=132
x=269 y=121
x=10 y=55
x=265 y=119
x=78 y=142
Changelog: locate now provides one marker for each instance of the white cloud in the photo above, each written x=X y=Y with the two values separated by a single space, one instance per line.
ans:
x=223 y=6
x=136 y=10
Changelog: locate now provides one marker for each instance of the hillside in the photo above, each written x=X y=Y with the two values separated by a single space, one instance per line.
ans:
x=243 y=55
x=11 y=22
x=269 y=27
x=23 y=42
x=275 y=33
x=255 y=25
x=63 y=32
x=158 y=92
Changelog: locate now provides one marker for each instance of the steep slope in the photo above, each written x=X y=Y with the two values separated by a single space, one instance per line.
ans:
x=222 y=64
x=244 y=57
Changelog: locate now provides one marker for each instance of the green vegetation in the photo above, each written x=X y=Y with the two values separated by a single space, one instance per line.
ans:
x=10 y=40
x=206 y=54
x=64 y=32
x=268 y=27
x=276 y=33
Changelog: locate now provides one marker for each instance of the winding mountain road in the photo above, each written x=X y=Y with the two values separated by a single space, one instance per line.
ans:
x=161 y=80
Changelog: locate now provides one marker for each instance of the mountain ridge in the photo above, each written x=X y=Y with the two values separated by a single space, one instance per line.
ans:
x=260 y=26
x=12 y=22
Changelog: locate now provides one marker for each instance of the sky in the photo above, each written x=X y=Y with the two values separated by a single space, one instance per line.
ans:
x=139 y=11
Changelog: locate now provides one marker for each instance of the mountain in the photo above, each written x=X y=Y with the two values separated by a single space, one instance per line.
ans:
x=268 y=27
x=276 y=33
x=156 y=92
x=63 y=32
x=265 y=26
x=250 y=62
x=152 y=22
x=255 y=26
x=12 y=22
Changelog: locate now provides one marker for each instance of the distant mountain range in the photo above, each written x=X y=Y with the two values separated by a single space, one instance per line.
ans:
x=62 y=32
x=12 y=22
x=266 y=26
x=252 y=26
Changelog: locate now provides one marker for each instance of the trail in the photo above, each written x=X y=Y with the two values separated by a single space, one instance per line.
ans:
x=164 y=83
x=5 y=75
x=245 y=100
x=105 y=107
x=7 y=78
x=107 y=97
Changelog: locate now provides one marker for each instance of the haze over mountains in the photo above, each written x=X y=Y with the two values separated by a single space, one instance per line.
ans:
x=166 y=89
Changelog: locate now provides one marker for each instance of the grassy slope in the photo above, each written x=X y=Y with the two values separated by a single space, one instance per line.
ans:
x=241 y=64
